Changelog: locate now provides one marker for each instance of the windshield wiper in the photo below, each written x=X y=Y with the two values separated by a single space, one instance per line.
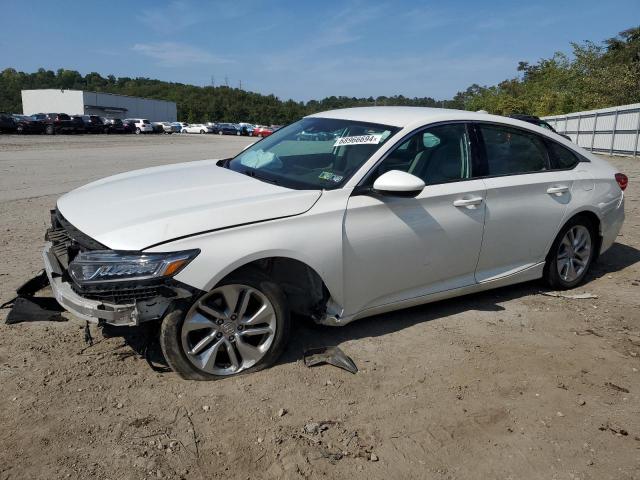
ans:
x=252 y=173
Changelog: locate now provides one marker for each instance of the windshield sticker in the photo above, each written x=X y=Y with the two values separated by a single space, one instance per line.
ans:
x=330 y=177
x=358 y=140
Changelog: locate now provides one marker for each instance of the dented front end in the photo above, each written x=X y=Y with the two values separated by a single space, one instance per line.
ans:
x=123 y=303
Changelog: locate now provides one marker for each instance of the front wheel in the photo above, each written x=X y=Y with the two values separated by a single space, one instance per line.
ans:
x=240 y=326
x=238 y=134
x=201 y=132
x=49 y=130
x=138 y=131
x=571 y=254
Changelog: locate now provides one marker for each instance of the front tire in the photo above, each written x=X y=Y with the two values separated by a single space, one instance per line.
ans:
x=49 y=130
x=240 y=326
x=571 y=254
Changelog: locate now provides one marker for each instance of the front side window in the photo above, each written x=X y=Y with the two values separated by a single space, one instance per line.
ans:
x=437 y=155
x=510 y=151
x=313 y=153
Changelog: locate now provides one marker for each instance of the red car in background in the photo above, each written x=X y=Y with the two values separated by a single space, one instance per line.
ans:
x=261 y=131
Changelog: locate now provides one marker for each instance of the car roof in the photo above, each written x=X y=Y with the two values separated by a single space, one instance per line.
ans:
x=408 y=116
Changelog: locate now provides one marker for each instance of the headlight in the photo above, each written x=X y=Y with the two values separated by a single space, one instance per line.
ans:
x=102 y=266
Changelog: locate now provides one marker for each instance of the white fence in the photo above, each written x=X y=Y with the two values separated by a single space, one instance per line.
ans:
x=614 y=130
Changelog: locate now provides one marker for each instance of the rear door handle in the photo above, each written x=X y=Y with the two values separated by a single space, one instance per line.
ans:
x=557 y=190
x=467 y=202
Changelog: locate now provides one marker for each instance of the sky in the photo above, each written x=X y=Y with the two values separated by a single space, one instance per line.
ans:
x=305 y=49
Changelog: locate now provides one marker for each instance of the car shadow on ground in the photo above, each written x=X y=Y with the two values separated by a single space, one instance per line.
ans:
x=305 y=334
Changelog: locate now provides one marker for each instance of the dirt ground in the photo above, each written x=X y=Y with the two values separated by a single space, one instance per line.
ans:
x=508 y=384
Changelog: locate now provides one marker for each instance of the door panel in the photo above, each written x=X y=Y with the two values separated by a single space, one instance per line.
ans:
x=397 y=248
x=523 y=214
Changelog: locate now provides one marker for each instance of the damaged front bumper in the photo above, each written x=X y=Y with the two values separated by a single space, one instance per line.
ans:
x=131 y=305
x=90 y=310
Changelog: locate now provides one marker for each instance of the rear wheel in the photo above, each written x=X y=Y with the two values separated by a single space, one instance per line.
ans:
x=201 y=132
x=20 y=130
x=219 y=132
x=49 y=130
x=138 y=131
x=240 y=326
x=571 y=254
x=238 y=134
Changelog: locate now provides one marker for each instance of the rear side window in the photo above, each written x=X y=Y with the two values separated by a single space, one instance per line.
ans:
x=63 y=116
x=510 y=151
x=561 y=157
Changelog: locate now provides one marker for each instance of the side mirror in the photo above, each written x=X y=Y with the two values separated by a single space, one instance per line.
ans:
x=396 y=182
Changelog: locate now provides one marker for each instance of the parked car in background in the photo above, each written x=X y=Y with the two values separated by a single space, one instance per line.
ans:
x=246 y=128
x=27 y=124
x=169 y=128
x=77 y=122
x=539 y=122
x=7 y=123
x=114 y=125
x=141 y=125
x=407 y=206
x=129 y=126
x=197 y=128
x=157 y=127
x=227 y=129
x=262 y=131
x=94 y=124
x=55 y=122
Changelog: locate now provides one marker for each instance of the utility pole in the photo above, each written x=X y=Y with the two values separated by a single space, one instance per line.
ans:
x=213 y=81
x=226 y=81
x=240 y=84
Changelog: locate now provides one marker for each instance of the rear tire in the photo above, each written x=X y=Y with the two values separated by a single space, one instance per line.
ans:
x=176 y=341
x=49 y=130
x=571 y=254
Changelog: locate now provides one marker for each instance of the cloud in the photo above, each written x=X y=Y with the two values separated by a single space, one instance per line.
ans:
x=177 y=16
x=172 y=54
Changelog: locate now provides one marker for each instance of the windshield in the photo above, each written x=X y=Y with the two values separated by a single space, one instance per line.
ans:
x=313 y=153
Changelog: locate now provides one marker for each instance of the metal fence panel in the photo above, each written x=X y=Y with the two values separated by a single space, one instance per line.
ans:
x=613 y=130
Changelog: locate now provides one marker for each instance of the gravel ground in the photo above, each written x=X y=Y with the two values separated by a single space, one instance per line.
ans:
x=507 y=384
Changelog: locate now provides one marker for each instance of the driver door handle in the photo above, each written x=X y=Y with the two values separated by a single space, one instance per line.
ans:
x=467 y=202
x=557 y=190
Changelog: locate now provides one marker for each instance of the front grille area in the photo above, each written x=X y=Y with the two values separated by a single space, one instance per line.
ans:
x=67 y=240
x=119 y=295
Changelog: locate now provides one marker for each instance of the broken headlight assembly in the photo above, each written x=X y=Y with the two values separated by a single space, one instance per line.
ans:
x=108 y=266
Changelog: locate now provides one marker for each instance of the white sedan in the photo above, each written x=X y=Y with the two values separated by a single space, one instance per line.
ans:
x=376 y=209
x=197 y=128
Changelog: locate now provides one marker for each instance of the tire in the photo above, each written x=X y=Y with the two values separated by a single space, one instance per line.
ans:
x=49 y=130
x=220 y=132
x=138 y=131
x=184 y=131
x=201 y=132
x=238 y=134
x=174 y=343
x=20 y=130
x=565 y=274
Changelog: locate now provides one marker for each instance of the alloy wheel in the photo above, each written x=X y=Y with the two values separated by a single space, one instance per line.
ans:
x=229 y=330
x=573 y=253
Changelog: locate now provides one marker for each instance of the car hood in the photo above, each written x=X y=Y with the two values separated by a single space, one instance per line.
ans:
x=134 y=210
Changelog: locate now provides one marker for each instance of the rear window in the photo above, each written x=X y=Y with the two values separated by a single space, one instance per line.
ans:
x=146 y=122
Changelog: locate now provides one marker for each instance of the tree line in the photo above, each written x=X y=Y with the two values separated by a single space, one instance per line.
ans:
x=592 y=75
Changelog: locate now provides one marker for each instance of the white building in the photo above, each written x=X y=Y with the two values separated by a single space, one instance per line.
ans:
x=74 y=102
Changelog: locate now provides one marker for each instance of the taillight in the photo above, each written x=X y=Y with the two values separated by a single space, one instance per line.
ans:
x=622 y=180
